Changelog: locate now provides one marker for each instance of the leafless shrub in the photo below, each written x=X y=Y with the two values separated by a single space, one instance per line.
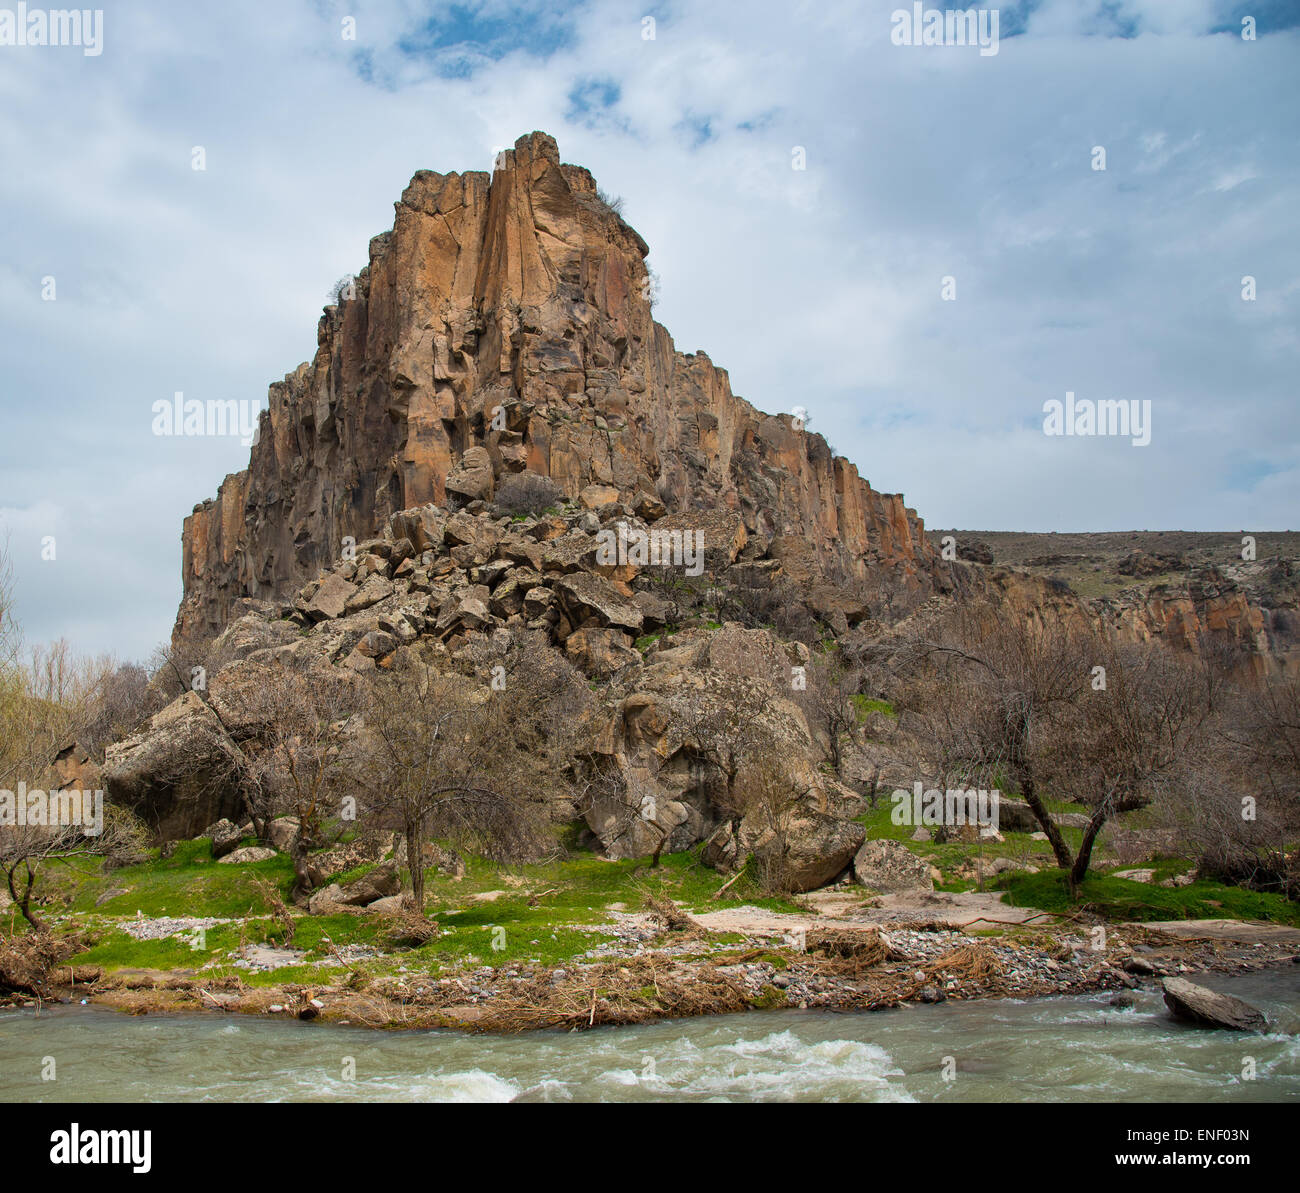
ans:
x=343 y=290
x=300 y=756
x=612 y=203
x=527 y=493
x=778 y=605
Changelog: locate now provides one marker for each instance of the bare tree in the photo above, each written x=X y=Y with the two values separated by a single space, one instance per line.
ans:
x=474 y=759
x=830 y=700
x=1138 y=734
x=1055 y=707
x=289 y=731
x=26 y=850
x=1242 y=813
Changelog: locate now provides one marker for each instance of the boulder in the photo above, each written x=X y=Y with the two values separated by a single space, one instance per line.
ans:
x=422 y=526
x=751 y=653
x=508 y=596
x=281 y=831
x=595 y=497
x=600 y=653
x=628 y=831
x=375 y=589
x=890 y=867
x=586 y=598
x=388 y=905
x=225 y=836
x=721 y=534
x=465 y=530
x=326 y=901
x=1016 y=816
x=176 y=773
x=250 y=853
x=810 y=850
x=325 y=865
x=817 y=848
x=1208 y=1008
x=330 y=598
x=472 y=477
x=375 y=884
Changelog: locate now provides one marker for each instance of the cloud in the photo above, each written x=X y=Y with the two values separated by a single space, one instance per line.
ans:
x=818 y=287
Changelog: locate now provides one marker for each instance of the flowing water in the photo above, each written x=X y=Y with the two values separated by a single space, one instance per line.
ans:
x=1059 y=1049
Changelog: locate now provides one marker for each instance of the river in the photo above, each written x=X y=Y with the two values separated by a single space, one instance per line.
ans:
x=1072 y=1049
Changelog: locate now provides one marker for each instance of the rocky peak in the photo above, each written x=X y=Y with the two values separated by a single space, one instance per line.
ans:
x=504 y=324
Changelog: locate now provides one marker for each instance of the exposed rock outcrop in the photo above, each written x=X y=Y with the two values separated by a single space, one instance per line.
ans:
x=503 y=324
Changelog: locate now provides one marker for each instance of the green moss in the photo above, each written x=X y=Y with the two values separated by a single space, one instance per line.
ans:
x=353 y=874
x=864 y=706
x=189 y=883
x=1122 y=899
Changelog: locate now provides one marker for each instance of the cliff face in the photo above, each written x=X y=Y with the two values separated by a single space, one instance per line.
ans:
x=1190 y=590
x=504 y=325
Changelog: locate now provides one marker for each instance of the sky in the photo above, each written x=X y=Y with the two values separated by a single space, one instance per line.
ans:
x=948 y=259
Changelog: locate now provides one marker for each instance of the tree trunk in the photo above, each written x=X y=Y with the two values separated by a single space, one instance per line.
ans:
x=1044 y=818
x=302 y=883
x=1079 y=871
x=415 y=862
x=836 y=758
x=24 y=901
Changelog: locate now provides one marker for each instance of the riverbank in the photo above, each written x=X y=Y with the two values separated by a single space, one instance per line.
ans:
x=663 y=970
x=583 y=942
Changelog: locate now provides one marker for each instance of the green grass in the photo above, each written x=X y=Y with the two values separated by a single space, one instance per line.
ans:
x=190 y=882
x=571 y=897
x=864 y=706
x=949 y=856
x=1122 y=899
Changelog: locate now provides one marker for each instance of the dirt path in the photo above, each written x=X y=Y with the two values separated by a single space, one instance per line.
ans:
x=1239 y=931
x=970 y=910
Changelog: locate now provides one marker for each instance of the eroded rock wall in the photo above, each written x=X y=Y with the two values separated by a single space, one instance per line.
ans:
x=504 y=324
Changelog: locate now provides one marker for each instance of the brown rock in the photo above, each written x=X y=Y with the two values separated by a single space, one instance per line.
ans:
x=518 y=292
x=584 y=597
x=600 y=653
x=1208 y=1008
x=330 y=598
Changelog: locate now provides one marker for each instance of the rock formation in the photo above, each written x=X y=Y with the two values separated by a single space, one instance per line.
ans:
x=503 y=325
